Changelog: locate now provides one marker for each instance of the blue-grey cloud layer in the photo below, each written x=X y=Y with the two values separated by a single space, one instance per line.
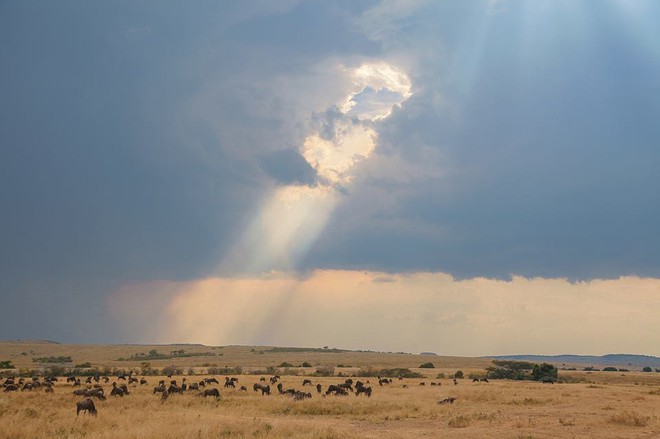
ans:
x=137 y=139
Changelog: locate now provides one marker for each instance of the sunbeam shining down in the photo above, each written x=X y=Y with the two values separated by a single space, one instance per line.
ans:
x=290 y=219
x=292 y=216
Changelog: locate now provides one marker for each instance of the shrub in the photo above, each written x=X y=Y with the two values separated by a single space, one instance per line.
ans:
x=285 y=364
x=324 y=371
x=544 y=371
x=428 y=365
x=306 y=364
x=647 y=369
x=590 y=369
x=172 y=370
x=441 y=375
x=510 y=370
x=6 y=365
x=84 y=365
x=459 y=374
x=609 y=369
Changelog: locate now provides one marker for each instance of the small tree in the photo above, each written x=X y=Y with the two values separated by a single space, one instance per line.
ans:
x=544 y=371
x=428 y=365
x=306 y=364
x=459 y=374
x=647 y=369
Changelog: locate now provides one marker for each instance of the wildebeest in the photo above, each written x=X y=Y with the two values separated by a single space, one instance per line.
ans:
x=211 y=380
x=307 y=383
x=193 y=386
x=229 y=383
x=11 y=388
x=49 y=389
x=265 y=388
x=95 y=392
x=160 y=389
x=143 y=382
x=422 y=383
x=382 y=381
x=336 y=390
x=362 y=389
x=319 y=388
x=299 y=396
x=174 y=389
x=86 y=405
x=210 y=392
x=243 y=389
x=449 y=400
x=548 y=381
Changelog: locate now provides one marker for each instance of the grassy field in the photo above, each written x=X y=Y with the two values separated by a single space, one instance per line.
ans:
x=597 y=405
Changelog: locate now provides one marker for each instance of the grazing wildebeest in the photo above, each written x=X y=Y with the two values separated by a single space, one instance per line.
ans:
x=422 y=383
x=174 y=389
x=80 y=392
x=229 y=383
x=132 y=380
x=265 y=388
x=243 y=389
x=346 y=386
x=71 y=379
x=143 y=382
x=382 y=381
x=299 y=396
x=262 y=379
x=106 y=380
x=475 y=380
x=455 y=382
x=274 y=379
x=27 y=386
x=336 y=390
x=210 y=392
x=307 y=383
x=11 y=388
x=484 y=380
x=77 y=383
x=449 y=400
x=86 y=405
x=433 y=383
x=279 y=388
x=362 y=389
x=319 y=388
x=548 y=380
x=49 y=389
x=211 y=380
x=98 y=393
x=160 y=389
x=193 y=386
x=289 y=392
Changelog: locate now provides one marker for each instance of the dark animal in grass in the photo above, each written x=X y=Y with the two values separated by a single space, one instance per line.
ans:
x=80 y=392
x=86 y=405
x=243 y=389
x=336 y=390
x=49 y=389
x=548 y=381
x=211 y=392
x=265 y=388
x=95 y=393
x=229 y=383
x=289 y=392
x=11 y=388
x=211 y=380
x=449 y=400
x=279 y=388
x=174 y=389
x=193 y=386
x=307 y=383
x=71 y=379
x=143 y=382
x=346 y=387
x=319 y=389
x=160 y=389
x=262 y=379
x=161 y=382
x=202 y=383
x=382 y=381
x=475 y=380
x=27 y=386
x=299 y=396
x=106 y=380
x=362 y=389
x=422 y=383
x=484 y=380
x=349 y=381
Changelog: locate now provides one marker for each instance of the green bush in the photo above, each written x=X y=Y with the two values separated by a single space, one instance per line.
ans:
x=6 y=365
x=544 y=371
x=428 y=365
x=647 y=369
x=609 y=369
x=459 y=374
x=306 y=364
x=285 y=364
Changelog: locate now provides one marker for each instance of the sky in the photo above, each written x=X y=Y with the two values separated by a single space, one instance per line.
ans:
x=474 y=177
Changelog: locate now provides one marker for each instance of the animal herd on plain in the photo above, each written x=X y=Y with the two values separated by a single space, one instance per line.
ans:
x=93 y=388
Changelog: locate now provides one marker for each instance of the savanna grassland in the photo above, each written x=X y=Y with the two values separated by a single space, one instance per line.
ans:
x=591 y=405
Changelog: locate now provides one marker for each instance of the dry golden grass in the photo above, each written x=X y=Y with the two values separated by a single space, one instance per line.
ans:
x=606 y=406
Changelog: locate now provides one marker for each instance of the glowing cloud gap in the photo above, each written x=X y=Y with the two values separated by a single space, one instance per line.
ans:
x=291 y=218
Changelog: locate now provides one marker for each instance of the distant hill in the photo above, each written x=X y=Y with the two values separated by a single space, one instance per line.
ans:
x=622 y=360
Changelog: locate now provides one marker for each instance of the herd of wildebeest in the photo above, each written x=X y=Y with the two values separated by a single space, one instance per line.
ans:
x=93 y=387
